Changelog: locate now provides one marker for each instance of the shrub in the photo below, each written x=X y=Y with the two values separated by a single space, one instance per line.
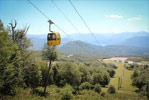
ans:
x=106 y=79
x=114 y=66
x=66 y=93
x=97 y=88
x=87 y=95
x=111 y=72
x=97 y=78
x=85 y=85
x=102 y=94
x=135 y=74
x=111 y=89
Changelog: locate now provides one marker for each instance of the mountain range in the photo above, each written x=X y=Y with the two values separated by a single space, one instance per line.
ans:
x=83 y=48
x=126 y=43
x=137 y=41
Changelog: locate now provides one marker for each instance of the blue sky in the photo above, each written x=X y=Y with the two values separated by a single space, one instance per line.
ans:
x=102 y=16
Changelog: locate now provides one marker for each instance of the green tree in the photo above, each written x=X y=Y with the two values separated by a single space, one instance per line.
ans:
x=18 y=36
x=29 y=65
x=69 y=74
x=32 y=76
x=85 y=76
x=10 y=76
x=49 y=53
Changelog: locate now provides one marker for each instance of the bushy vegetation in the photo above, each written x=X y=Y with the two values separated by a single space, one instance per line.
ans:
x=111 y=89
x=140 y=80
x=86 y=85
x=10 y=75
x=102 y=94
x=111 y=72
x=131 y=66
x=66 y=92
x=18 y=65
x=97 y=88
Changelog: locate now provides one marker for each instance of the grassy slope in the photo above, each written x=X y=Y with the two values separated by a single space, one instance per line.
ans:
x=127 y=91
x=127 y=88
x=126 y=79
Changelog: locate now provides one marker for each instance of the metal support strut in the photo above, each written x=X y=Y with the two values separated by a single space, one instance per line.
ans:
x=50 y=22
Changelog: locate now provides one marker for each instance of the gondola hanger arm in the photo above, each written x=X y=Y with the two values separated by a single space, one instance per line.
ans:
x=50 y=23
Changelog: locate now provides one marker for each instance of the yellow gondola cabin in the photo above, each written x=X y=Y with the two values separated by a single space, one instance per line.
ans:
x=53 y=39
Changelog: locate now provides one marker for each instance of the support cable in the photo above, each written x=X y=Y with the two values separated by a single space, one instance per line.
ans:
x=84 y=22
x=65 y=16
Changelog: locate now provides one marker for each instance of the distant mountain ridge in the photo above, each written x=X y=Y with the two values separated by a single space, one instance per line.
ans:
x=109 y=38
x=137 y=41
x=125 y=38
x=79 y=47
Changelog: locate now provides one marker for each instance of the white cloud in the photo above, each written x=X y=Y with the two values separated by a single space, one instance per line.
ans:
x=114 y=16
x=135 y=18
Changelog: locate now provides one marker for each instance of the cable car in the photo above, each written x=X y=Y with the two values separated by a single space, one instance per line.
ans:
x=53 y=39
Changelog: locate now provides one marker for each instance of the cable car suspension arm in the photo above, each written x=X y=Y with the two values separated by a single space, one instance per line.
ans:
x=50 y=23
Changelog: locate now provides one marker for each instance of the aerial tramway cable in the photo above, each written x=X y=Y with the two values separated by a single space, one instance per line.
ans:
x=84 y=21
x=65 y=16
